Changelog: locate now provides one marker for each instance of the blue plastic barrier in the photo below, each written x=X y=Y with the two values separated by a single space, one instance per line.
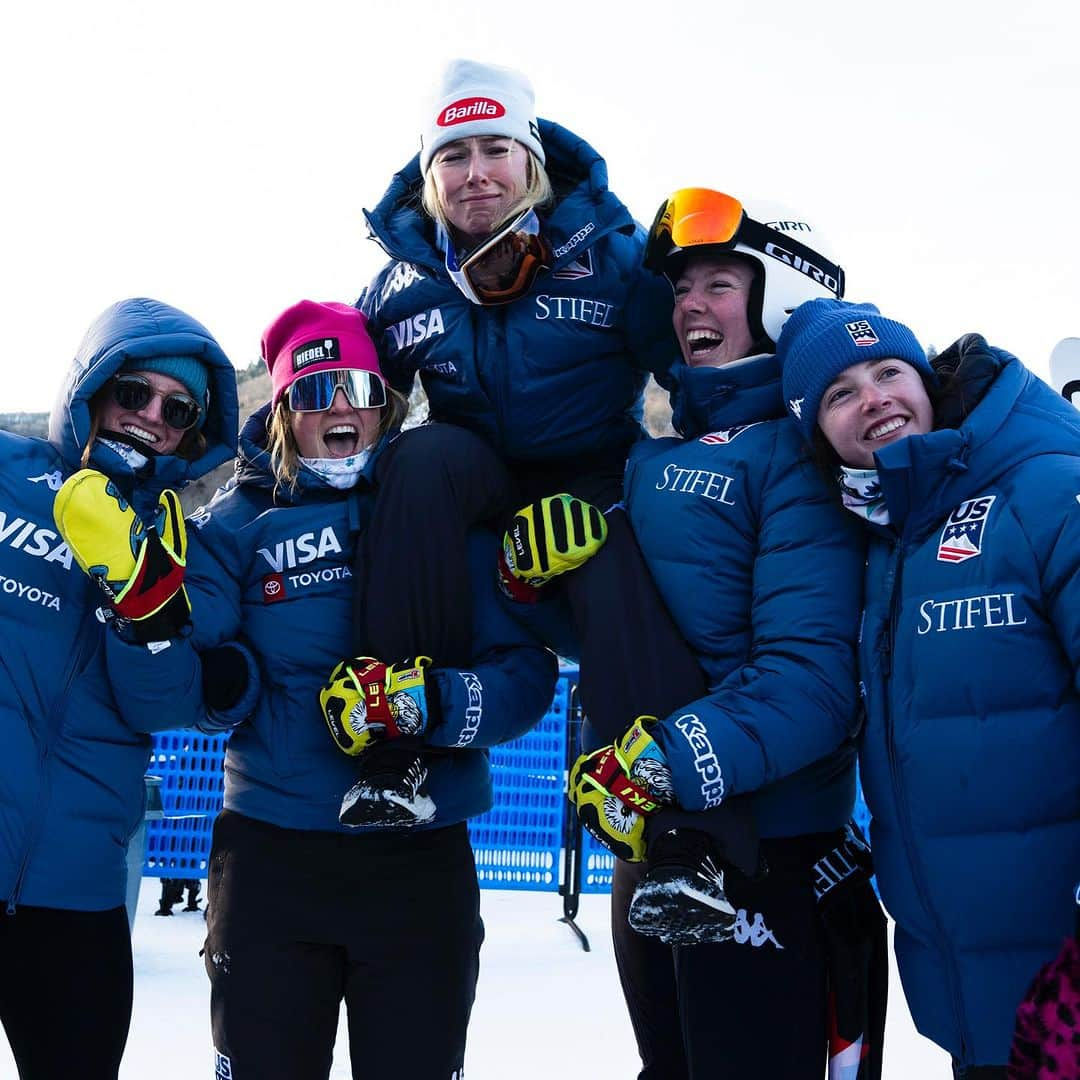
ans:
x=191 y=767
x=518 y=844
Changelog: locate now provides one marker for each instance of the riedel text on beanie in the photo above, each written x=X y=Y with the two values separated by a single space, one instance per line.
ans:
x=480 y=99
x=823 y=338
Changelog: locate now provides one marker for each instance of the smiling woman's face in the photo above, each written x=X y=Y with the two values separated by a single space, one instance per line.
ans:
x=870 y=405
x=146 y=425
x=336 y=432
x=710 y=317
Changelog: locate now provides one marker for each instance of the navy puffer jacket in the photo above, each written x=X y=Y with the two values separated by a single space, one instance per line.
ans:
x=556 y=375
x=71 y=771
x=276 y=568
x=971 y=756
x=762 y=572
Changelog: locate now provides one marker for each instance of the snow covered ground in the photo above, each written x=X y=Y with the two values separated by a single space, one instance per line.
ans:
x=544 y=1007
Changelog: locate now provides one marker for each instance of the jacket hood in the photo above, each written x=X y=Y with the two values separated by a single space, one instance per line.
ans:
x=584 y=208
x=714 y=398
x=133 y=330
x=1017 y=418
x=255 y=468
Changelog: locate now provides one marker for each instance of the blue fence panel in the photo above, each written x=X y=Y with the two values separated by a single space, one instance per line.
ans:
x=518 y=842
x=191 y=767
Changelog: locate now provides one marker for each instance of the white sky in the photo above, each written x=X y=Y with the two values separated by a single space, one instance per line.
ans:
x=216 y=155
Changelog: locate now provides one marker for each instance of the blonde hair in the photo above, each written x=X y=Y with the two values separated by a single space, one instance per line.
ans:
x=538 y=192
x=281 y=443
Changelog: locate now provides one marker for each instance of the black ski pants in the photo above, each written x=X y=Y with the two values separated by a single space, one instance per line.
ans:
x=66 y=991
x=754 y=1006
x=299 y=921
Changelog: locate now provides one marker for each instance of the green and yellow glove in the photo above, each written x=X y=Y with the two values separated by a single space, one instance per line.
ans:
x=365 y=701
x=548 y=537
x=616 y=787
x=138 y=566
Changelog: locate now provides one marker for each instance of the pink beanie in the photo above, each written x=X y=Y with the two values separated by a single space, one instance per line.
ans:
x=310 y=337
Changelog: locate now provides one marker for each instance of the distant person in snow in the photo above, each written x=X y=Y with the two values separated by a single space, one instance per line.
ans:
x=149 y=404
x=306 y=910
x=966 y=474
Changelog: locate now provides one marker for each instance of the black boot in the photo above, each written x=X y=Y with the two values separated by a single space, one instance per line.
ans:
x=172 y=892
x=391 y=792
x=193 y=886
x=682 y=899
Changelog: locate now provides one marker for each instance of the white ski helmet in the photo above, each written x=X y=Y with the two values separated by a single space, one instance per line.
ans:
x=791 y=258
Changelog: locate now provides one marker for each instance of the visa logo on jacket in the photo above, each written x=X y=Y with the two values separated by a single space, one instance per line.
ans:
x=32 y=539
x=296 y=551
x=418 y=328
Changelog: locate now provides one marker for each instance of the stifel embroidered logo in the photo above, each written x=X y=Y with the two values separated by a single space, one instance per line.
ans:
x=478 y=108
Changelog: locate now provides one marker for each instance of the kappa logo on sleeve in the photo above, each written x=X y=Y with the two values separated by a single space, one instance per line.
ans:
x=54 y=480
x=474 y=707
x=962 y=537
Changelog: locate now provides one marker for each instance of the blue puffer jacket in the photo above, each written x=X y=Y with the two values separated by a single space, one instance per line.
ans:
x=971 y=758
x=555 y=375
x=279 y=570
x=762 y=574
x=71 y=771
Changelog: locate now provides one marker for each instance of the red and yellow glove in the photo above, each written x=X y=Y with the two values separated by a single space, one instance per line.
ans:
x=365 y=701
x=616 y=787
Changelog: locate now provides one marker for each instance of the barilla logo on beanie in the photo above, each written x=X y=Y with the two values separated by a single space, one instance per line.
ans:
x=862 y=333
x=475 y=100
x=475 y=108
x=316 y=352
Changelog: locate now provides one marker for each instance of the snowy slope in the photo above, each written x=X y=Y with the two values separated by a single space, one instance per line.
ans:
x=544 y=1007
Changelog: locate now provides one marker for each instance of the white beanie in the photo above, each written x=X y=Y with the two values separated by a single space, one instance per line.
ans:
x=480 y=99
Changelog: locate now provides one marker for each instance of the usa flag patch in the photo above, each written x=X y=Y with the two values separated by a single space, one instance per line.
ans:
x=581 y=267
x=862 y=333
x=718 y=438
x=962 y=537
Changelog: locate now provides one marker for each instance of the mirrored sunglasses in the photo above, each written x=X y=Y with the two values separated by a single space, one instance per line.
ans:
x=504 y=266
x=134 y=392
x=315 y=392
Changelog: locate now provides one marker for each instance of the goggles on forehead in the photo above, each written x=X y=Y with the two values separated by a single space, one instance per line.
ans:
x=315 y=392
x=134 y=392
x=503 y=267
x=701 y=217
